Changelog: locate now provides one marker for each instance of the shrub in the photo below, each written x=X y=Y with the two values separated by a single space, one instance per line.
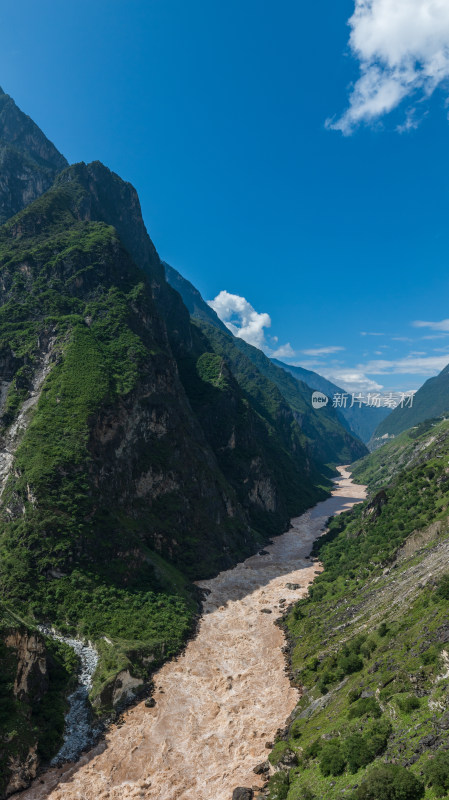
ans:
x=296 y=728
x=313 y=749
x=390 y=782
x=357 y=752
x=437 y=774
x=408 y=703
x=366 y=705
x=332 y=760
x=442 y=591
x=368 y=647
x=354 y=695
x=278 y=752
x=278 y=786
x=360 y=749
x=350 y=663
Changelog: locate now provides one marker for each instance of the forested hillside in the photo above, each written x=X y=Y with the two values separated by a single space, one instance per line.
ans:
x=369 y=643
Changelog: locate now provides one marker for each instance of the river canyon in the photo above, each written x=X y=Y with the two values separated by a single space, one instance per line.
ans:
x=220 y=702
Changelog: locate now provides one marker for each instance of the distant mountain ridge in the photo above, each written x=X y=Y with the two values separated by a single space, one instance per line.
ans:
x=429 y=402
x=361 y=420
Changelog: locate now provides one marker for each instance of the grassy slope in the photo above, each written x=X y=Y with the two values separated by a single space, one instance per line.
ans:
x=376 y=621
x=406 y=450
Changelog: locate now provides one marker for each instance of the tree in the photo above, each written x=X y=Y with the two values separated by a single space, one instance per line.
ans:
x=437 y=773
x=390 y=782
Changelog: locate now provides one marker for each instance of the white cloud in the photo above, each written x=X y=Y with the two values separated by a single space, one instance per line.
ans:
x=366 y=333
x=443 y=325
x=241 y=318
x=352 y=380
x=245 y=322
x=410 y=365
x=403 y=50
x=322 y=351
x=285 y=351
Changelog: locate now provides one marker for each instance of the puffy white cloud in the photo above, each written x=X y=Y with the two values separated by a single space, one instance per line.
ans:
x=241 y=318
x=245 y=322
x=403 y=50
x=443 y=325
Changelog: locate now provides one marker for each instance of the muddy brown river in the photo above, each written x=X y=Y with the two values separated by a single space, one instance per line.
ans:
x=220 y=702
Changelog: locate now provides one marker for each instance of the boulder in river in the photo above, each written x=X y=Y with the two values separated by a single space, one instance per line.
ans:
x=242 y=793
x=261 y=769
x=266 y=611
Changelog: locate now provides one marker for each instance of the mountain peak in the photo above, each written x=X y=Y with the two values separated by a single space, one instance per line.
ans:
x=29 y=162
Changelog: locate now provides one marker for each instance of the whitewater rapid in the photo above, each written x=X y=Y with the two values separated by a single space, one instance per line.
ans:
x=223 y=699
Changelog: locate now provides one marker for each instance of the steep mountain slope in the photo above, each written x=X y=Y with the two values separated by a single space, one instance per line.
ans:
x=431 y=400
x=192 y=298
x=113 y=494
x=329 y=441
x=401 y=453
x=369 y=644
x=29 y=163
x=112 y=461
x=362 y=421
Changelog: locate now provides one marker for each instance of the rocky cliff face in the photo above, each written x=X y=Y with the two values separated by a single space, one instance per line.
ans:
x=29 y=163
x=31 y=678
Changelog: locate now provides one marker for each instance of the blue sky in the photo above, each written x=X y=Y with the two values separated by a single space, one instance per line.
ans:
x=276 y=159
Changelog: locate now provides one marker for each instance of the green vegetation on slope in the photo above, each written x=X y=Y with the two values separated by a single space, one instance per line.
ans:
x=369 y=646
x=414 y=446
x=328 y=441
x=257 y=442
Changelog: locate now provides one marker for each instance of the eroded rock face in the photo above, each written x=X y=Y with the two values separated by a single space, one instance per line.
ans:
x=22 y=771
x=24 y=658
x=31 y=675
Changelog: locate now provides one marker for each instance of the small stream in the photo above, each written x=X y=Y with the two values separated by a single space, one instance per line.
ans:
x=78 y=732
